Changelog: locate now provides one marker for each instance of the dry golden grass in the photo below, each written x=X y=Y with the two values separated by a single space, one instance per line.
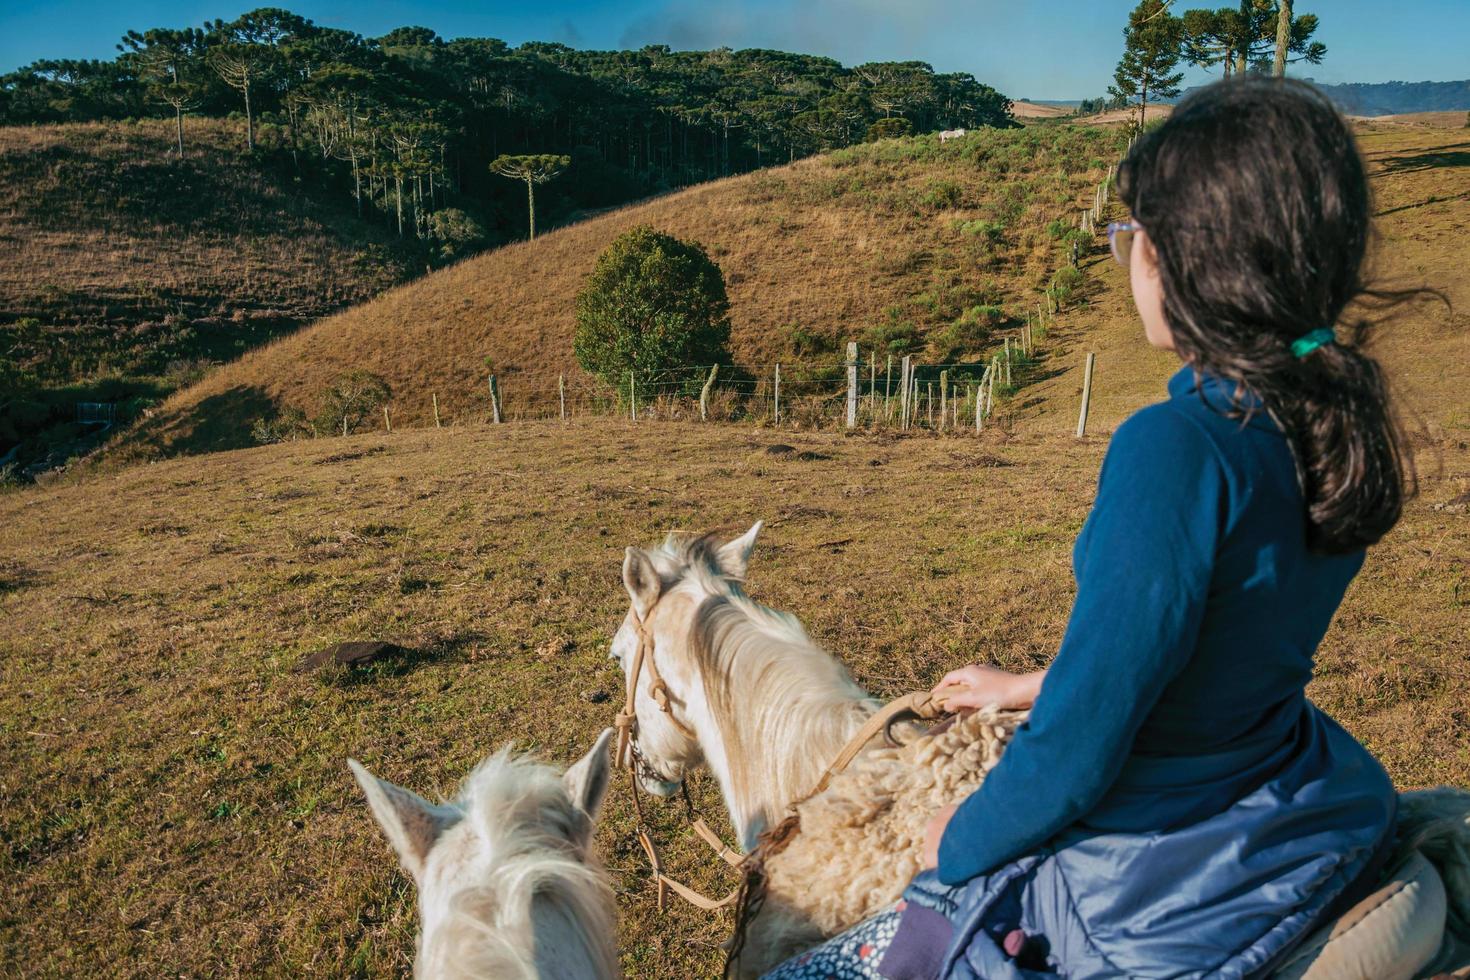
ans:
x=1451 y=119
x=1035 y=110
x=174 y=798
x=828 y=243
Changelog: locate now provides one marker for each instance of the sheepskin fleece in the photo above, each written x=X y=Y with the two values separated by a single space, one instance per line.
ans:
x=861 y=841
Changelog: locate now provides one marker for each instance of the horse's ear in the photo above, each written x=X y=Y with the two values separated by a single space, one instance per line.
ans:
x=587 y=781
x=641 y=580
x=411 y=822
x=734 y=556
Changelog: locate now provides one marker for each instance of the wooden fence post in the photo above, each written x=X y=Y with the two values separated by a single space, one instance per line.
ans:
x=872 y=386
x=704 y=393
x=852 y=369
x=903 y=394
x=387 y=421
x=494 y=401
x=887 y=387
x=437 y=424
x=632 y=398
x=778 y=393
x=975 y=393
x=561 y=393
x=1086 y=397
x=943 y=397
x=929 y=403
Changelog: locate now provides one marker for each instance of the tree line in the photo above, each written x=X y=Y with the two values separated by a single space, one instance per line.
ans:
x=409 y=123
x=1257 y=36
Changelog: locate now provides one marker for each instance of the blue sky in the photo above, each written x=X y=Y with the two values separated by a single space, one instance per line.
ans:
x=1039 y=49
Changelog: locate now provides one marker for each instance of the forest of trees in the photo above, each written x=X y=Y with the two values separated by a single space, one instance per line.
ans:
x=409 y=123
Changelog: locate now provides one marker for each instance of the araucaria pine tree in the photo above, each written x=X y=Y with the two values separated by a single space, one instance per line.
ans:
x=1151 y=44
x=535 y=168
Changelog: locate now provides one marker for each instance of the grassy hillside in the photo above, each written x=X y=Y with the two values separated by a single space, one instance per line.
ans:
x=1421 y=187
x=124 y=271
x=887 y=243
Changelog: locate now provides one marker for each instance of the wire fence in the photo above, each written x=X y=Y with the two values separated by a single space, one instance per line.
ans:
x=860 y=391
x=865 y=389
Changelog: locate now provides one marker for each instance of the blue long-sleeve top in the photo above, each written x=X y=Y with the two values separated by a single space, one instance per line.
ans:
x=1198 y=611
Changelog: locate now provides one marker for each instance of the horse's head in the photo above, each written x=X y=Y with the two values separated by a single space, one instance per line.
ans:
x=516 y=827
x=666 y=587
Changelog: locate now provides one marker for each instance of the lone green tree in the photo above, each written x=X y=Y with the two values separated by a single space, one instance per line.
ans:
x=535 y=168
x=652 y=304
x=1151 y=48
x=351 y=399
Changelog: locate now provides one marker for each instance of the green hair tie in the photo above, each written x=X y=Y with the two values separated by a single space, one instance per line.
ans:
x=1309 y=342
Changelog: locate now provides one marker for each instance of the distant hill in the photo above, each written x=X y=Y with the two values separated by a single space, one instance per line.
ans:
x=1392 y=98
x=904 y=245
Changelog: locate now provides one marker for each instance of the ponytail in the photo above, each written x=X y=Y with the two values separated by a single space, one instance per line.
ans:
x=1256 y=200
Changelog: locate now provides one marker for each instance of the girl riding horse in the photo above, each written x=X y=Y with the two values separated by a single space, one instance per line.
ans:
x=1176 y=806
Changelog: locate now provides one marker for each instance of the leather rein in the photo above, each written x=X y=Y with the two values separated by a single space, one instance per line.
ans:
x=920 y=705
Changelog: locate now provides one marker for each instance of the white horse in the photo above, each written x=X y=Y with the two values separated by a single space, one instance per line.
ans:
x=508 y=885
x=952 y=134
x=746 y=691
x=750 y=694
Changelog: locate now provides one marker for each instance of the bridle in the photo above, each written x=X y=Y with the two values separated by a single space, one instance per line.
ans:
x=923 y=705
x=629 y=757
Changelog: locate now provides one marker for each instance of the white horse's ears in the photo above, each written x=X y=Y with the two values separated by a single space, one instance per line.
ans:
x=641 y=580
x=734 y=556
x=411 y=822
x=587 y=780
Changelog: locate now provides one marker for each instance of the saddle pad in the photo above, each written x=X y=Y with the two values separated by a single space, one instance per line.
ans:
x=1390 y=935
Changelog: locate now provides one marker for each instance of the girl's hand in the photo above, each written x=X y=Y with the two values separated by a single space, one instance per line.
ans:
x=978 y=685
x=934 y=833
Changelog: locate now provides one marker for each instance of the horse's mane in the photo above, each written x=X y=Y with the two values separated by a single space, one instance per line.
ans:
x=521 y=812
x=767 y=684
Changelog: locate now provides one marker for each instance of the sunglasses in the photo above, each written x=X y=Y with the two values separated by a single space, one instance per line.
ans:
x=1120 y=239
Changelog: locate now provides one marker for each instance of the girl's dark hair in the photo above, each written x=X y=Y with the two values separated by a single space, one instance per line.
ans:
x=1256 y=200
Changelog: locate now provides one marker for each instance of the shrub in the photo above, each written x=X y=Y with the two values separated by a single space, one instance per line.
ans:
x=890 y=128
x=970 y=331
x=351 y=399
x=455 y=233
x=895 y=336
x=990 y=232
x=808 y=343
x=653 y=304
x=942 y=195
x=1065 y=284
x=289 y=426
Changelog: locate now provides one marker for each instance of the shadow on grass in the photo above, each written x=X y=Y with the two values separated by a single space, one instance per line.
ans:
x=1447 y=157
x=216 y=423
